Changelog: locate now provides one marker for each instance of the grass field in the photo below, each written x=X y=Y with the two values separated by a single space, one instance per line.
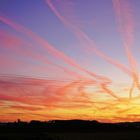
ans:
x=71 y=136
x=96 y=136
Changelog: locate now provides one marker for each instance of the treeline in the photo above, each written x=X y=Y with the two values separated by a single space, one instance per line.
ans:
x=68 y=126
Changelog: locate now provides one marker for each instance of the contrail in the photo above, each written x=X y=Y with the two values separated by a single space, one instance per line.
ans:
x=89 y=42
x=126 y=28
x=56 y=53
x=86 y=40
x=84 y=37
x=107 y=90
x=15 y=44
x=131 y=90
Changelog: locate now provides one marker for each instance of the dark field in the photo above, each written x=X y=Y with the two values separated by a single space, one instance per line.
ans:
x=71 y=136
x=69 y=130
x=96 y=136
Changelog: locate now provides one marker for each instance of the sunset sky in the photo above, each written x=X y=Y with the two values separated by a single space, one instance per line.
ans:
x=70 y=59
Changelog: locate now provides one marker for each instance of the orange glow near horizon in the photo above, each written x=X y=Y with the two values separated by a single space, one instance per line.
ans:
x=77 y=100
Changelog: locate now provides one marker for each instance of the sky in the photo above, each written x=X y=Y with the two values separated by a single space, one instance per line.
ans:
x=62 y=59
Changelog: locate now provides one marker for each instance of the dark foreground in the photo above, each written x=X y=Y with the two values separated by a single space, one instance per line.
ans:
x=71 y=136
x=69 y=130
